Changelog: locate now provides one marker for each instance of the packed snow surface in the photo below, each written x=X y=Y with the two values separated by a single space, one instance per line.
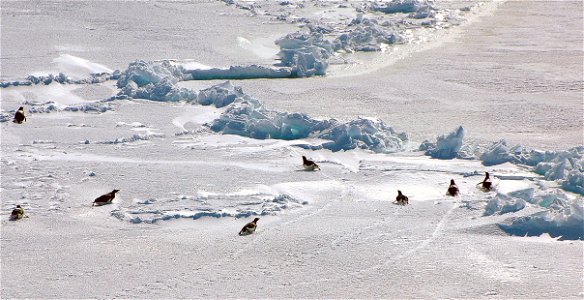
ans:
x=117 y=101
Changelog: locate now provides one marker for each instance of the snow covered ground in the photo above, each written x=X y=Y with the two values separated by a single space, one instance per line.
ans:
x=510 y=70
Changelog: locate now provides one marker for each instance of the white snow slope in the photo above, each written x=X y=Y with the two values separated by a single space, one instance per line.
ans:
x=186 y=190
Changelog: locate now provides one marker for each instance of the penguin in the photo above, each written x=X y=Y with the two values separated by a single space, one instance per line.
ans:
x=486 y=184
x=401 y=198
x=452 y=189
x=19 y=116
x=250 y=227
x=105 y=199
x=17 y=213
x=309 y=165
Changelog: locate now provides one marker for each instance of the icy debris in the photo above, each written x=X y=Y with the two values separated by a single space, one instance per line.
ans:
x=366 y=34
x=563 y=218
x=247 y=116
x=565 y=167
x=89 y=107
x=62 y=79
x=498 y=153
x=48 y=107
x=502 y=204
x=222 y=94
x=215 y=205
x=144 y=73
x=446 y=147
x=402 y=6
x=305 y=53
x=238 y=72
x=133 y=124
x=135 y=137
x=364 y=133
x=5 y=117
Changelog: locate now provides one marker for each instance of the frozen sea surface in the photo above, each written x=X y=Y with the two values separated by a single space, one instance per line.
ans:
x=185 y=191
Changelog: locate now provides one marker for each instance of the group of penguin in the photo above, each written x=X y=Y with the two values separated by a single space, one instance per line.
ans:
x=249 y=228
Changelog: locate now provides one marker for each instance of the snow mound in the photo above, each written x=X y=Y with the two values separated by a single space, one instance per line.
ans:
x=78 y=67
x=241 y=204
x=563 y=218
x=446 y=147
x=502 y=204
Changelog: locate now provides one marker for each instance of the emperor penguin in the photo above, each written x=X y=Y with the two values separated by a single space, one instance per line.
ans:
x=250 y=227
x=309 y=165
x=453 y=189
x=19 y=116
x=486 y=183
x=105 y=199
x=17 y=213
x=401 y=198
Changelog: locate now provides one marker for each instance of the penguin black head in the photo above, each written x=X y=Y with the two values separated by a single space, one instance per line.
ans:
x=486 y=174
x=115 y=191
x=256 y=219
x=21 y=108
x=452 y=182
x=399 y=192
x=18 y=206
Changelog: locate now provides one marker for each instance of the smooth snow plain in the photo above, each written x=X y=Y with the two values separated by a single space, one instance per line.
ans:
x=186 y=190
